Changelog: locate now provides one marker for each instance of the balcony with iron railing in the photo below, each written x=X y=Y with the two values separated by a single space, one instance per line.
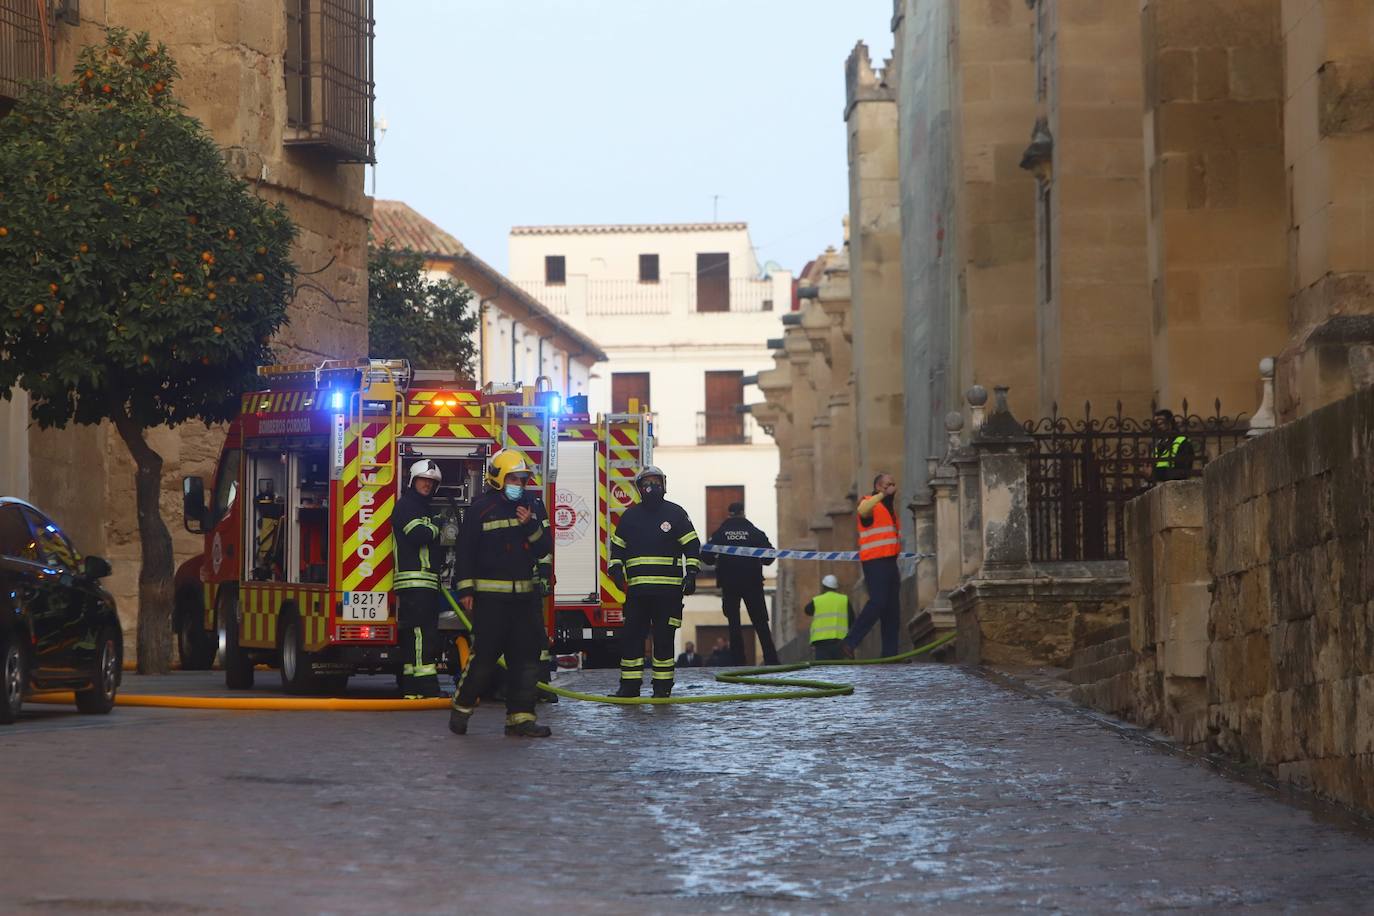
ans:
x=725 y=427
x=330 y=89
x=676 y=294
x=22 y=57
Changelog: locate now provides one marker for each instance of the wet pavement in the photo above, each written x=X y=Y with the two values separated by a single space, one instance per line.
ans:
x=931 y=788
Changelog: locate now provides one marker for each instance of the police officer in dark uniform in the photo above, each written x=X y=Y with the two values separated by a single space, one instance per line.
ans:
x=417 y=582
x=655 y=557
x=505 y=534
x=741 y=580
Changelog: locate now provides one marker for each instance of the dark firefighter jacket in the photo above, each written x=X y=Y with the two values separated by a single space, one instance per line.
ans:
x=416 y=536
x=738 y=572
x=497 y=554
x=653 y=546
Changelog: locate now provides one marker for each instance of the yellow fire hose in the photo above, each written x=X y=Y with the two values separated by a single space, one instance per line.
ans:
x=797 y=689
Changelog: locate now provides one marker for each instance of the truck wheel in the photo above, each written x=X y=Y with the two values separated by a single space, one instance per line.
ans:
x=238 y=667
x=195 y=646
x=297 y=675
x=99 y=698
x=14 y=680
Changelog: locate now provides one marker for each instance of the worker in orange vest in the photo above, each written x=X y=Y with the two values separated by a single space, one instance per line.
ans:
x=880 y=540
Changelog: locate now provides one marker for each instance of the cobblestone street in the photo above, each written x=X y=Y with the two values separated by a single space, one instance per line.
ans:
x=931 y=787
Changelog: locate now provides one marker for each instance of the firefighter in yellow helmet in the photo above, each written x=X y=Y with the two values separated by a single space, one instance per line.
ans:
x=504 y=537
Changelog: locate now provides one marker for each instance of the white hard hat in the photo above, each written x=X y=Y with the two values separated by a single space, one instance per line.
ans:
x=830 y=582
x=427 y=469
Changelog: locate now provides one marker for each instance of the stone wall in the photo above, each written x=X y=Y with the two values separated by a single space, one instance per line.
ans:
x=1290 y=665
x=1170 y=595
x=1329 y=153
x=1217 y=195
x=230 y=53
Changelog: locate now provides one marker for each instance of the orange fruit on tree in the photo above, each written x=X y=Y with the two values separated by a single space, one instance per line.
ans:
x=258 y=278
x=262 y=249
x=4 y=231
x=219 y=330
x=233 y=235
x=52 y=288
x=146 y=359
x=211 y=297
x=206 y=256
x=39 y=309
x=83 y=248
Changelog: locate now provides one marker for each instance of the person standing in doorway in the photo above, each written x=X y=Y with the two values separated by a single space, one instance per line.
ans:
x=880 y=540
x=741 y=580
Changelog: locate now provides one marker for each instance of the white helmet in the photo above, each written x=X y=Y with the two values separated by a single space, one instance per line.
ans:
x=831 y=582
x=651 y=471
x=427 y=469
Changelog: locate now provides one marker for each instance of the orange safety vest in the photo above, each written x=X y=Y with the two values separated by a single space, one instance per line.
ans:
x=880 y=537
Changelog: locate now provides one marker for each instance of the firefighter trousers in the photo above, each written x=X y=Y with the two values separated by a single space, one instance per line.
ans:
x=417 y=641
x=645 y=613
x=757 y=606
x=513 y=626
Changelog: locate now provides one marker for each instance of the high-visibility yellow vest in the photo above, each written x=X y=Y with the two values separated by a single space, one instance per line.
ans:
x=880 y=536
x=832 y=616
x=1166 y=453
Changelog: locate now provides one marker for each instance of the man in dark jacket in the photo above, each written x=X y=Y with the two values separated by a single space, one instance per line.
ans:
x=505 y=534
x=655 y=555
x=741 y=579
x=417 y=582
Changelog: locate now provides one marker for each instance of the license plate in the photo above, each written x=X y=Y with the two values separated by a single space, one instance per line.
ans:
x=368 y=606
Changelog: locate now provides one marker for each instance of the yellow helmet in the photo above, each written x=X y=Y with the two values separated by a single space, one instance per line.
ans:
x=503 y=463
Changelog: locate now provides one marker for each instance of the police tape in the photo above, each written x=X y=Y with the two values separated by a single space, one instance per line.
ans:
x=781 y=554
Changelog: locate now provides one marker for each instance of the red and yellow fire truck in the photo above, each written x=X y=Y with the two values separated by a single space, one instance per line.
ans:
x=297 y=566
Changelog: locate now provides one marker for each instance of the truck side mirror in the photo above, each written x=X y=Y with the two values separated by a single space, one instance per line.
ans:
x=193 y=504
x=96 y=568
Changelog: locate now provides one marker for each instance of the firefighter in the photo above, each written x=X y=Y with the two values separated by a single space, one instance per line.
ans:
x=504 y=536
x=655 y=556
x=417 y=582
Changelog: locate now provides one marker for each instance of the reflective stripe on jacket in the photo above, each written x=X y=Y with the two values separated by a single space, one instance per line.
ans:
x=656 y=546
x=1166 y=453
x=880 y=536
x=832 y=616
x=415 y=533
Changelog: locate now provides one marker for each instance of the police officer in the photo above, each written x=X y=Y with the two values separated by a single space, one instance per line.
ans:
x=417 y=581
x=505 y=534
x=655 y=556
x=1173 y=450
x=741 y=579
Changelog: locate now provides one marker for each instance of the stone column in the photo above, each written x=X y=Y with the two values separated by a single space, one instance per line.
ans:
x=923 y=524
x=944 y=485
x=1003 y=451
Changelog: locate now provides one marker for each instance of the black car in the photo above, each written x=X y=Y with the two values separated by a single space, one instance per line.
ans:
x=58 y=627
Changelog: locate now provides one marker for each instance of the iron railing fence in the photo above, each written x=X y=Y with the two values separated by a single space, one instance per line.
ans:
x=22 y=34
x=724 y=427
x=1082 y=473
x=673 y=294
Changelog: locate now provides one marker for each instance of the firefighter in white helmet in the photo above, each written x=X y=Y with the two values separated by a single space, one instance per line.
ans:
x=417 y=582
x=504 y=537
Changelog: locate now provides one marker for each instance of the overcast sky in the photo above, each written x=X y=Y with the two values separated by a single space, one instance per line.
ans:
x=515 y=112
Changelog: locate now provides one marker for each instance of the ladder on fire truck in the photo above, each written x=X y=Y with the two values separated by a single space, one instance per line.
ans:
x=370 y=387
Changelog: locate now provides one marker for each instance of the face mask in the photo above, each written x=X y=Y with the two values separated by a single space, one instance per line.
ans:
x=651 y=493
x=514 y=491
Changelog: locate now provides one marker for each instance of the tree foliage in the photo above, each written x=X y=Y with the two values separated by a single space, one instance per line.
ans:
x=429 y=322
x=139 y=279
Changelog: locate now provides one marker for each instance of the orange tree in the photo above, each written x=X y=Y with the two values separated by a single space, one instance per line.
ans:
x=409 y=316
x=140 y=281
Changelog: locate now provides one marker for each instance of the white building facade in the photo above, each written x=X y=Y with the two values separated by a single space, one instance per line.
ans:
x=683 y=313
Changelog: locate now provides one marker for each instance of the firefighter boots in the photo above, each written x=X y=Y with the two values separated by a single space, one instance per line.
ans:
x=528 y=729
x=458 y=720
x=627 y=690
x=663 y=691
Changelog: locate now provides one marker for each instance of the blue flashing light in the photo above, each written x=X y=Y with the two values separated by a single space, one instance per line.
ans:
x=336 y=400
x=555 y=403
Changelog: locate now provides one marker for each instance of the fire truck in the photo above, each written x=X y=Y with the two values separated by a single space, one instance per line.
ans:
x=298 y=559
